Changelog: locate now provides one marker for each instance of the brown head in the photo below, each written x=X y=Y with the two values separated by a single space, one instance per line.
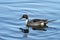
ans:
x=25 y=16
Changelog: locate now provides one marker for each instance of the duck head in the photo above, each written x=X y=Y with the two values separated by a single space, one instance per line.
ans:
x=24 y=16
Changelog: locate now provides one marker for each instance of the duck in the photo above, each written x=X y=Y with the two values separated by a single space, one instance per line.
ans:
x=35 y=24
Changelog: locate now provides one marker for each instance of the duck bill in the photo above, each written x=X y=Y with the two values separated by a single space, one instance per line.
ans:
x=20 y=18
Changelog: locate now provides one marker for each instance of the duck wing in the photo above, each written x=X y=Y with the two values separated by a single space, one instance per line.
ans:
x=34 y=20
x=33 y=24
x=37 y=20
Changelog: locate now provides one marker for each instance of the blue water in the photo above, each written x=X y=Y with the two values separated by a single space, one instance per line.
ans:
x=12 y=10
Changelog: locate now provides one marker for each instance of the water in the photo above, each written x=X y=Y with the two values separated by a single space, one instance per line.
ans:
x=12 y=10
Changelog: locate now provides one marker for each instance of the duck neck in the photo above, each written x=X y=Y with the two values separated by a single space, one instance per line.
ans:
x=27 y=23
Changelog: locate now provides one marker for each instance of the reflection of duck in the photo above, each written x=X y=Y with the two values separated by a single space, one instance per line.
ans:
x=36 y=24
x=24 y=30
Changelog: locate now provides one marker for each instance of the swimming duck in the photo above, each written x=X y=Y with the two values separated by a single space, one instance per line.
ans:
x=35 y=24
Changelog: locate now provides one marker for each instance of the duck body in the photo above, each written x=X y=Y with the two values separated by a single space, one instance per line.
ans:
x=37 y=24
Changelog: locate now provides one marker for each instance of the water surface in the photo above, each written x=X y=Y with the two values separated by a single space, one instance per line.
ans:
x=12 y=10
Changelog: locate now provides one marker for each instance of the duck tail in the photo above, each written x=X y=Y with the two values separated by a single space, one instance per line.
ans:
x=50 y=21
